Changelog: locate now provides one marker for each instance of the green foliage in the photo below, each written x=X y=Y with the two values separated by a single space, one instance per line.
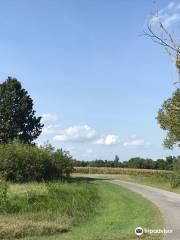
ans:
x=23 y=162
x=169 y=119
x=137 y=162
x=175 y=178
x=17 y=117
x=140 y=163
x=3 y=193
x=118 y=212
x=65 y=198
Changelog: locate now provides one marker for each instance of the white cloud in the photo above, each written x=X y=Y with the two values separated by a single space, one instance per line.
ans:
x=168 y=15
x=136 y=142
x=108 y=140
x=47 y=117
x=168 y=20
x=50 y=129
x=84 y=133
x=76 y=133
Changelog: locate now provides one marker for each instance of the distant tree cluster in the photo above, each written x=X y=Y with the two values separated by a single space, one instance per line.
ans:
x=136 y=162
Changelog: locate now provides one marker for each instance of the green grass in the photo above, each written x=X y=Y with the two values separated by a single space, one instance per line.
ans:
x=46 y=208
x=119 y=212
x=80 y=210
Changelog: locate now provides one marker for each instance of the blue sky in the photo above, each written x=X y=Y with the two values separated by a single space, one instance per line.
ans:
x=95 y=79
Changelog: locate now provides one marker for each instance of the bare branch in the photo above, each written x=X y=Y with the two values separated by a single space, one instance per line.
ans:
x=160 y=40
x=165 y=38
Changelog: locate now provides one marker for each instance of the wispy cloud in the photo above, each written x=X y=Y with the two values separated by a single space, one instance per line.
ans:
x=136 y=143
x=51 y=123
x=48 y=118
x=51 y=129
x=168 y=15
x=168 y=20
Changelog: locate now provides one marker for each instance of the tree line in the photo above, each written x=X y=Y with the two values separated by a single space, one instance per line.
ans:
x=136 y=162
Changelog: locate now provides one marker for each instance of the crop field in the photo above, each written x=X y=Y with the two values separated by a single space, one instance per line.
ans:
x=128 y=171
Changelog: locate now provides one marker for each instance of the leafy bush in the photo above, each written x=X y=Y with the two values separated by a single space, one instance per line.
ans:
x=3 y=193
x=23 y=162
x=175 y=178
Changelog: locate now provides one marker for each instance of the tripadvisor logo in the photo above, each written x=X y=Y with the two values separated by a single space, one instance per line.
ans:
x=139 y=231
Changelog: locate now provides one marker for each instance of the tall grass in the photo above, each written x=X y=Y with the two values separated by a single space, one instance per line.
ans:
x=54 y=209
x=120 y=211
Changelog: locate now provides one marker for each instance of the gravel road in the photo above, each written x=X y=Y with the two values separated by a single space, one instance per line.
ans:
x=168 y=203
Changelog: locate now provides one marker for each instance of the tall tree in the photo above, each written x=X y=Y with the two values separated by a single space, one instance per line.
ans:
x=17 y=117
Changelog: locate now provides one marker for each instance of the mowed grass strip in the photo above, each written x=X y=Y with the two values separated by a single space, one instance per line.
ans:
x=46 y=208
x=120 y=211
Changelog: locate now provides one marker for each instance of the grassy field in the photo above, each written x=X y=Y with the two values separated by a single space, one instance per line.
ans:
x=46 y=208
x=87 y=210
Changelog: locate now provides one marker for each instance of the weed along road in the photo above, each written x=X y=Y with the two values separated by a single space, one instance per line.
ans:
x=168 y=203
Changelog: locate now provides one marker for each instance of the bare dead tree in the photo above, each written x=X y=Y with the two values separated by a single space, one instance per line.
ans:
x=165 y=38
x=162 y=36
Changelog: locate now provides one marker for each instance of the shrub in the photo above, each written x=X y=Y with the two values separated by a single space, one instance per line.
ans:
x=23 y=163
x=175 y=178
x=3 y=193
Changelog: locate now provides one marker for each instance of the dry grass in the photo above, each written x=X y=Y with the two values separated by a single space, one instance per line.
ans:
x=127 y=171
x=27 y=225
